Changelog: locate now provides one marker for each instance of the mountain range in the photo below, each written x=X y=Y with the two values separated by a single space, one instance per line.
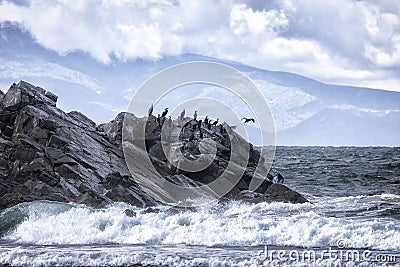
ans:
x=306 y=111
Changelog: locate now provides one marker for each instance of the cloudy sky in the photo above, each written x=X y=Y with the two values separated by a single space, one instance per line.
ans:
x=341 y=41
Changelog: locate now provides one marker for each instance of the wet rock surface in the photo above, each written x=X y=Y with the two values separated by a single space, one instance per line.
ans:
x=46 y=153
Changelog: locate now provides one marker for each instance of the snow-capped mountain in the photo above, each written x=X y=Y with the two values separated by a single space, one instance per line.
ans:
x=306 y=112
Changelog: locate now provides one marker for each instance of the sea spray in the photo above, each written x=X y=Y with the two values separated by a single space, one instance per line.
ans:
x=232 y=224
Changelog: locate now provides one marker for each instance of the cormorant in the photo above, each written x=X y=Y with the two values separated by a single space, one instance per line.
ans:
x=150 y=110
x=215 y=122
x=221 y=129
x=165 y=112
x=246 y=120
x=169 y=121
x=183 y=114
x=206 y=120
x=195 y=115
x=159 y=119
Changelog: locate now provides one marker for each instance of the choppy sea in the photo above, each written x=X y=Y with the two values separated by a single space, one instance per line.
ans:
x=353 y=220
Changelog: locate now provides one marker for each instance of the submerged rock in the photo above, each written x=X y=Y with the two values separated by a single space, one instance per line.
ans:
x=46 y=153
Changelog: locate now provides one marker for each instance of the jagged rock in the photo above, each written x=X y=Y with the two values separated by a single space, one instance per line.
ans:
x=8 y=131
x=46 y=153
x=57 y=141
x=274 y=193
x=82 y=118
x=57 y=157
x=130 y=213
x=1 y=95
x=280 y=192
x=22 y=94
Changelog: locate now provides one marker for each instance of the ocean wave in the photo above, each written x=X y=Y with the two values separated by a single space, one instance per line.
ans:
x=236 y=223
x=177 y=256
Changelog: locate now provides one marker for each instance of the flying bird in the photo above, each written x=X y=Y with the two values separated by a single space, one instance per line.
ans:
x=246 y=120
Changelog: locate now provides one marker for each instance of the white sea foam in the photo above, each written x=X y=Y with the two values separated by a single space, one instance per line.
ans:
x=280 y=224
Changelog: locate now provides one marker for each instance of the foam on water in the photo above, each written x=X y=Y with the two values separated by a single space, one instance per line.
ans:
x=156 y=256
x=234 y=224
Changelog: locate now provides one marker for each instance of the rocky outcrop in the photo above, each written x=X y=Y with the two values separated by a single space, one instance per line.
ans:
x=46 y=153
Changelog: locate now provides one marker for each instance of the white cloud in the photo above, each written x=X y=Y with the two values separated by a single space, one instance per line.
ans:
x=21 y=69
x=245 y=20
x=346 y=41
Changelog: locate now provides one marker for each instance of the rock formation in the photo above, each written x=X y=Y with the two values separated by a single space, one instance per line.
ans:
x=46 y=153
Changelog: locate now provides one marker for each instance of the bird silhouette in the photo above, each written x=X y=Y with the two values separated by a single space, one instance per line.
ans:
x=195 y=115
x=159 y=119
x=215 y=122
x=150 y=110
x=246 y=120
x=165 y=112
x=183 y=114
x=169 y=121
x=206 y=120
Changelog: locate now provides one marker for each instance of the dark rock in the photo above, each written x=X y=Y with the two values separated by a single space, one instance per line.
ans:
x=24 y=154
x=91 y=199
x=51 y=96
x=23 y=94
x=82 y=118
x=57 y=141
x=8 y=131
x=275 y=193
x=46 y=153
x=49 y=124
x=57 y=157
x=280 y=192
x=39 y=133
x=130 y=213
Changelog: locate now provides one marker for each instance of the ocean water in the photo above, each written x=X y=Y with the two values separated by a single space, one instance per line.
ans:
x=353 y=220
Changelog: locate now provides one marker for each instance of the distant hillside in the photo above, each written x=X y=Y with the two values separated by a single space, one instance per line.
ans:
x=306 y=112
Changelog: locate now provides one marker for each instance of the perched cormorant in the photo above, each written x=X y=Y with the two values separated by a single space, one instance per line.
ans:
x=169 y=121
x=150 y=110
x=206 y=120
x=221 y=129
x=215 y=122
x=195 y=115
x=246 y=120
x=183 y=114
x=165 y=112
x=159 y=119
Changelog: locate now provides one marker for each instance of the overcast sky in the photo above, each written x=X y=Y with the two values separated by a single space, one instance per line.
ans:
x=340 y=41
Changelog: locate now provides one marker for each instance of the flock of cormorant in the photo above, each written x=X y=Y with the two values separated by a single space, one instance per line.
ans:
x=207 y=122
x=193 y=124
